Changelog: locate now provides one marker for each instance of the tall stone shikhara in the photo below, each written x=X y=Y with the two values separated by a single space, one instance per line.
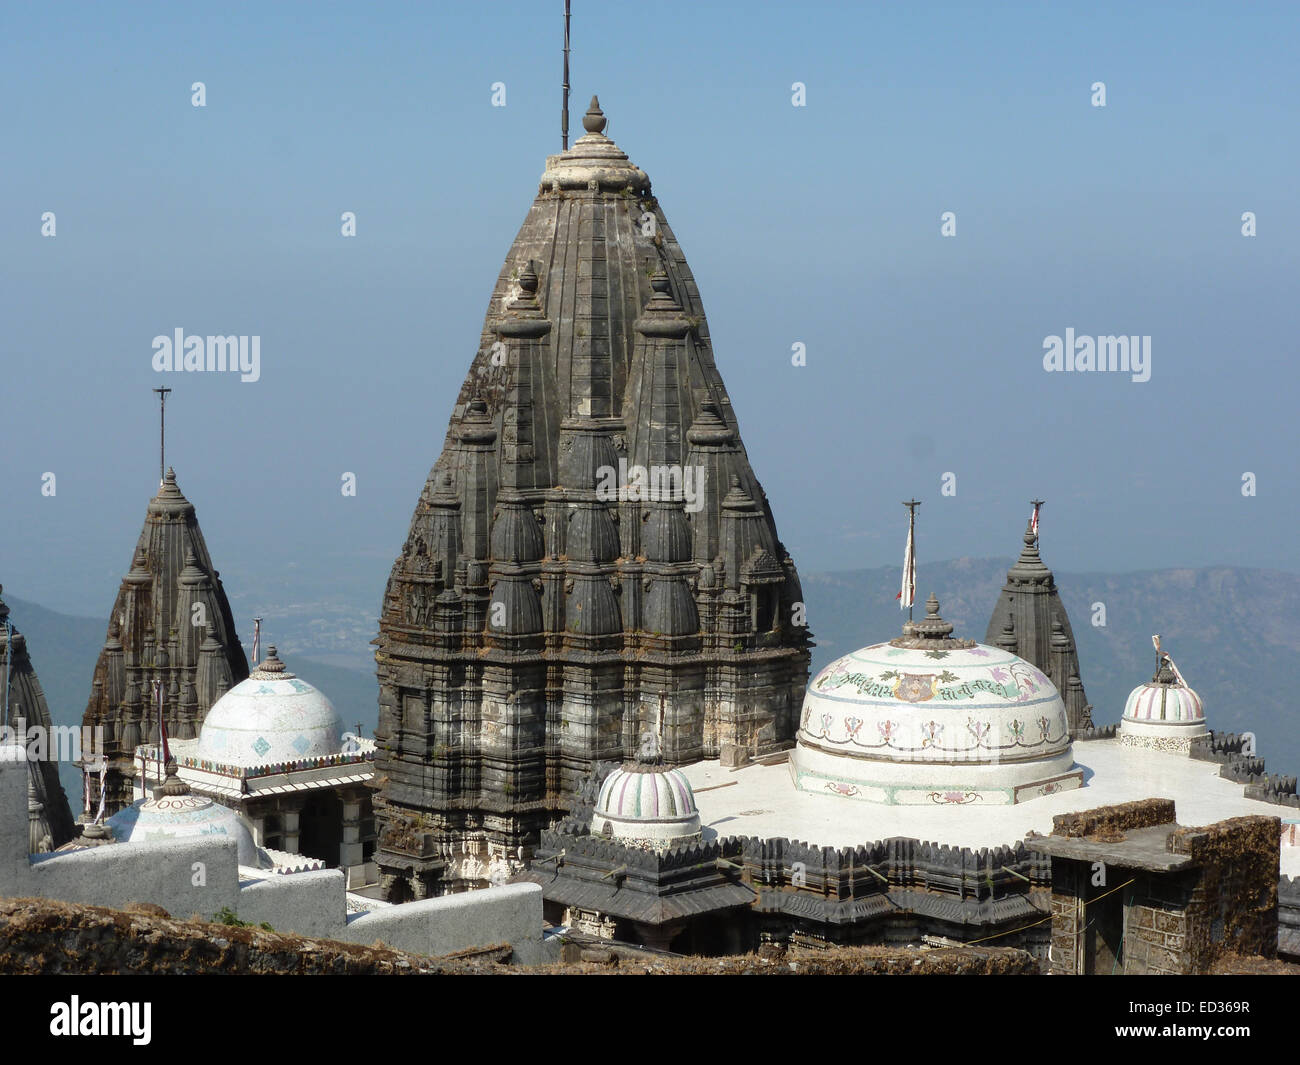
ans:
x=534 y=618
x=1030 y=621
x=171 y=623
x=50 y=818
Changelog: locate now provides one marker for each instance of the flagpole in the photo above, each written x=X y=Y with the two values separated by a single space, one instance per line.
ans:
x=909 y=576
x=1033 y=519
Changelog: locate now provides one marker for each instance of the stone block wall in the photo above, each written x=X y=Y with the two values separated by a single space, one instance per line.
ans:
x=1122 y=817
x=1156 y=941
x=1063 y=954
x=1233 y=907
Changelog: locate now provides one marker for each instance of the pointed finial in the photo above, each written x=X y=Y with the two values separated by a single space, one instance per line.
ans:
x=594 y=120
x=932 y=607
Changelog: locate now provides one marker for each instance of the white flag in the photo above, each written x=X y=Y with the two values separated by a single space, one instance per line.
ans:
x=908 y=593
x=257 y=641
x=103 y=790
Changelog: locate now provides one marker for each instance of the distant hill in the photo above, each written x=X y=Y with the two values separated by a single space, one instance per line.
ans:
x=1234 y=633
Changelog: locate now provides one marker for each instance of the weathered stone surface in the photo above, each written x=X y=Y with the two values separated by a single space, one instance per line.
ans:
x=536 y=614
x=50 y=818
x=171 y=624
x=1030 y=621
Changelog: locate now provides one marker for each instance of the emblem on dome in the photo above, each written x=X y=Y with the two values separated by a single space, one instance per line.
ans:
x=915 y=687
x=953 y=798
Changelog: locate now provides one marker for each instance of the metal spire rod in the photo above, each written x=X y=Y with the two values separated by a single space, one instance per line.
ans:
x=564 y=114
x=162 y=432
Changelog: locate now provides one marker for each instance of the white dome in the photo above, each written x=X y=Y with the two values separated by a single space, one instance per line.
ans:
x=1164 y=714
x=647 y=805
x=929 y=720
x=181 y=815
x=271 y=717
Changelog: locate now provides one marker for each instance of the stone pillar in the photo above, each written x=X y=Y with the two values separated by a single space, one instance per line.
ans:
x=289 y=819
x=350 y=849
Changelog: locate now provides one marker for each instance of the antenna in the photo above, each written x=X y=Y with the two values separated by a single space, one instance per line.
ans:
x=162 y=432
x=564 y=114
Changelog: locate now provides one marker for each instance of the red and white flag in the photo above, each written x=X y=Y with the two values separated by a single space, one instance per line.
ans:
x=908 y=592
x=1033 y=522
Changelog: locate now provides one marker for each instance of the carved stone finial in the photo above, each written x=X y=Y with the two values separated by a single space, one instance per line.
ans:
x=174 y=785
x=659 y=282
x=528 y=279
x=594 y=120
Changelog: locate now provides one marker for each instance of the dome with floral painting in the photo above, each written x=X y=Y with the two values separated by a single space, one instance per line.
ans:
x=930 y=720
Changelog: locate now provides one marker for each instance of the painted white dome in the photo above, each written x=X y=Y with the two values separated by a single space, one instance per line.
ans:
x=1164 y=714
x=648 y=805
x=271 y=717
x=930 y=720
x=178 y=814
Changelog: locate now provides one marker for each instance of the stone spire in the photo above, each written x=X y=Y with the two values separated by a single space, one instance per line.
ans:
x=48 y=805
x=559 y=507
x=1030 y=621
x=170 y=623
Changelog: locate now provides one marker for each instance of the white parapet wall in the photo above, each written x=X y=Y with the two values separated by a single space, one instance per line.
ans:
x=201 y=877
x=187 y=878
x=510 y=914
x=308 y=904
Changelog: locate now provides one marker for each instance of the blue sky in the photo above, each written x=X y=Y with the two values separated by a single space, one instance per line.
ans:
x=818 y=225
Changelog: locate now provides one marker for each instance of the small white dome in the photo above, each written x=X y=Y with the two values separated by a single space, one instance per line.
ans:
x=271 y=717
x=177 y=814
x=650 y=806
x=1164 y=714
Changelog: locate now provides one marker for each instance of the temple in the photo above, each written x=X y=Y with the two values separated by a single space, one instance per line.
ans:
x=24 y=709
x=540 y=606
x=171 y=642
x=1030 y=621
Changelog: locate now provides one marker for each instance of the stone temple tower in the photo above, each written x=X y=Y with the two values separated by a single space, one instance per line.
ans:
x=50 y=818
x=171 y=623
x=591 y=537
x=1030 y=621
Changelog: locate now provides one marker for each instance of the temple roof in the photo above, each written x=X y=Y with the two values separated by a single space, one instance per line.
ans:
x=26 y=701
x=272 y=717
x=170 y=621
x=1030 y=620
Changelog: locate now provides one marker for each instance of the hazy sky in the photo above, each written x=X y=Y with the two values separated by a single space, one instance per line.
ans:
x=817 y=225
